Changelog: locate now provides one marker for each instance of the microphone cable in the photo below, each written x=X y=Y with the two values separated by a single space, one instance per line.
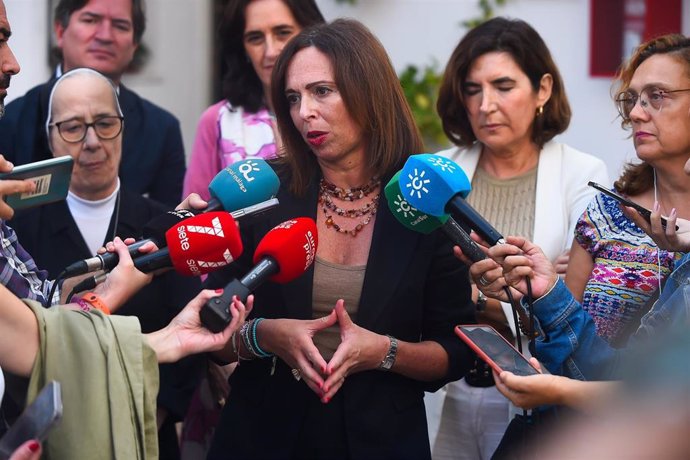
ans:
x=53 y=288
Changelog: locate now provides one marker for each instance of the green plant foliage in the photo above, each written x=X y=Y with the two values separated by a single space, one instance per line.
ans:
x=487 y=9
x=421 y=91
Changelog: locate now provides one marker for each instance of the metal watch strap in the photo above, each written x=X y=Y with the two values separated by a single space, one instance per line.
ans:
x=389 y=359
x=481 y=301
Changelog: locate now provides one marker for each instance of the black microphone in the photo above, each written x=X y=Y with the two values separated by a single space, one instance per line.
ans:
x=153 y=231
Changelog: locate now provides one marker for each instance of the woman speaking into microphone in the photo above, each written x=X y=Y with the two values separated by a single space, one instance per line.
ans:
x=341 y=356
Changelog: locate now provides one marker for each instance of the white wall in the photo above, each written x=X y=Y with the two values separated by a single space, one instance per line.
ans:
x=421 y=31
x=413 y=31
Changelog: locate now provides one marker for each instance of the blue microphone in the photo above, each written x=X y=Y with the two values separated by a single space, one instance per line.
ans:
x=436 y=185
x=418 y=221
x=242 y=184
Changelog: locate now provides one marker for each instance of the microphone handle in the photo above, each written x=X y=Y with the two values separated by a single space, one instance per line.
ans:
x=110 y=259
x=266 y=268
x=153 y=261
x=215 y=314
x=460 y=237
x=458 y=207
x=105 y=261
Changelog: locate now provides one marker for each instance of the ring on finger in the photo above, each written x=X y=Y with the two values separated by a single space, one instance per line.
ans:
x=483 y=281
x=297 y=374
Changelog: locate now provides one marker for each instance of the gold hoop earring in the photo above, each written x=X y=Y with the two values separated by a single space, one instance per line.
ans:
x=540 y=111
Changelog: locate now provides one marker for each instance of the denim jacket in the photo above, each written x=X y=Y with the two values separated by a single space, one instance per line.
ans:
x=569 y=345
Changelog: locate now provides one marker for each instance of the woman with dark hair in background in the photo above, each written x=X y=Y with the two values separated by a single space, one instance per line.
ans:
x=343 y=354
x=502 y=101
x=252 y=34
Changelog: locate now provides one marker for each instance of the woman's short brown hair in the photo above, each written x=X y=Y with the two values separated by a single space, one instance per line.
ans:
x=638 y=177
x=528 y=50
x=370 y=90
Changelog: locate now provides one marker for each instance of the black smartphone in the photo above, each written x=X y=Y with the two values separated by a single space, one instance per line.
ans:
x=36 y=420
x=490 y=346
x=646 y=213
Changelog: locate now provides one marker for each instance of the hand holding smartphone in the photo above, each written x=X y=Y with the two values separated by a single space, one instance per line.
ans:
x=52 y=178
x=36 y=420
x=490 y=346
x=644 y=212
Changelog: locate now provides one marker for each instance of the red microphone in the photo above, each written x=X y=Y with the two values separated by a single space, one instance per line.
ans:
x=197 y=245
x=282 y=255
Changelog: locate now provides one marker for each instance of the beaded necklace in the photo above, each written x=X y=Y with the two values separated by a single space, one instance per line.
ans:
x=328 y=191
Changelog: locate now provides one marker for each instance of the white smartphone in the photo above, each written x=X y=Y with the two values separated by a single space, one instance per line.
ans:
x=36 y=420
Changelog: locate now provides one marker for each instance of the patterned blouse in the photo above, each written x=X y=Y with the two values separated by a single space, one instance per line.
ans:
x=627 y=267
x=226 y=134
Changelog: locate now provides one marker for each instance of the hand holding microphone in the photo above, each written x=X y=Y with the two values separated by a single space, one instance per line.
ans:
x=196 y=246
x=472 y=254
x=239 y=185
x=153 y=232
x=286 y=252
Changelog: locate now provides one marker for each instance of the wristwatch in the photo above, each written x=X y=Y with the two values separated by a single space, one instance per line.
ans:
x=389 y=359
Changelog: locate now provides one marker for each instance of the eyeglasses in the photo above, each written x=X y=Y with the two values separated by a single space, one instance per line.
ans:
x=650 y=98
x=74 y=131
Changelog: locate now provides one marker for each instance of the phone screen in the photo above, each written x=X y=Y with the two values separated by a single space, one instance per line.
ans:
x=495 y=350
x=35 y=421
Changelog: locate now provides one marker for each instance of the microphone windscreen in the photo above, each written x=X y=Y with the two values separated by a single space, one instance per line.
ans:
x=156 y=228
x=292 y=244
x=428 y=182
x=408 y=215
x=204 y=243
x=244 y=183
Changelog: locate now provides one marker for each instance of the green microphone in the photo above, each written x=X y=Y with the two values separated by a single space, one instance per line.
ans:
x=417 y=221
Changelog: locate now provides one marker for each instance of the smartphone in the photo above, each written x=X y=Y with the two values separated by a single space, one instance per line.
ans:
x=36 y=420
x=646 y=213
x=494 y=349
x=256 y=210
x=52 y=178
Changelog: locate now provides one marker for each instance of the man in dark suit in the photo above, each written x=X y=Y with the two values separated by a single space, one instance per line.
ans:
x=86 y=122
x=103 y=35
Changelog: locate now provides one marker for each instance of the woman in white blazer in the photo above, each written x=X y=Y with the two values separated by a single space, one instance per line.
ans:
x=502 y=101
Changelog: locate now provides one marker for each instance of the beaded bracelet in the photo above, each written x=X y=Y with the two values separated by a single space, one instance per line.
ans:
x=248 y=333
x=244 y=333
x=259 y=351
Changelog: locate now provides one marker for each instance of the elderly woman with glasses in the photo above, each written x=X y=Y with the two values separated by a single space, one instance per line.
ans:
x=615 y=269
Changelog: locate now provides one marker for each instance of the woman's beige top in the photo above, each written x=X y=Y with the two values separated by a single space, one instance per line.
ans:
x=509 y=204
x=333 y=282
